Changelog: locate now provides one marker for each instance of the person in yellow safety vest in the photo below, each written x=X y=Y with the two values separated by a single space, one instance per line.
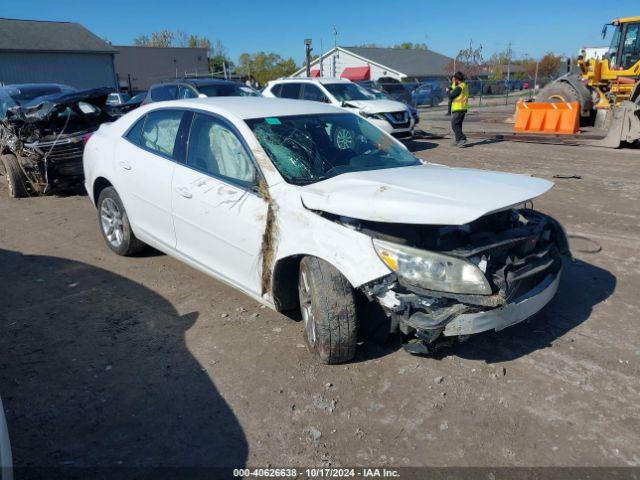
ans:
x=459 y=97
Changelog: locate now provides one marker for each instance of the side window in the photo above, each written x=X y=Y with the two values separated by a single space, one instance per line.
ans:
x=631 y=47
x=186 y=92
x=313 y=93
x=164 y=92
x=291 y=90
x=160 y=131
x=135 y=133
x=215 y=149
x=277 y=90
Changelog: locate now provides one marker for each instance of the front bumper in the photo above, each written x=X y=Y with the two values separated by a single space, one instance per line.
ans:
x=387 y=127
x=511 y=313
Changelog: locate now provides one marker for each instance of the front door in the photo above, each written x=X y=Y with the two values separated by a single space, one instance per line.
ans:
x=218 y=215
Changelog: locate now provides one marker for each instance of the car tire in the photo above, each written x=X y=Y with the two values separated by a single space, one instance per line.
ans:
x=16 y=179
x=114 y=224
x=328 y=307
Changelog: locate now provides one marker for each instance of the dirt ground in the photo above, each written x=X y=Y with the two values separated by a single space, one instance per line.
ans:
x=144 y=361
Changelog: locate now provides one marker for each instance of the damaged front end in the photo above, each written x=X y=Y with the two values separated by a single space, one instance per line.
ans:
x=45 y=141
x=455 y=281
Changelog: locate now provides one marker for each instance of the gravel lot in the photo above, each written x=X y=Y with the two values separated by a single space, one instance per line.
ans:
x=144 y=361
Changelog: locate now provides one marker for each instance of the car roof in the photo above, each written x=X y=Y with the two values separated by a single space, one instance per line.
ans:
x=197 y=82
x=26 y=86
x=251 y=107
x=322 y=80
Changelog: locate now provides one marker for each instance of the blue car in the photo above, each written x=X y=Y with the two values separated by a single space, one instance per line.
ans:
x=427 y=94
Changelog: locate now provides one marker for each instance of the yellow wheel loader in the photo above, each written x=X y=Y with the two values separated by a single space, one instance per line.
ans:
x=607 y=90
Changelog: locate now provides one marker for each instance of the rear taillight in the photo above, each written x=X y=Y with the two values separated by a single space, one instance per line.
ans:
x=86 y=137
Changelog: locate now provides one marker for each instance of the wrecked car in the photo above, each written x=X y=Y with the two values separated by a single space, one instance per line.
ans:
x=254 y=192
x=42 y=135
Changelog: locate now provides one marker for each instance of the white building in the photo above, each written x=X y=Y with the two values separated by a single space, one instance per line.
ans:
x=597 y=53
x=368 y=63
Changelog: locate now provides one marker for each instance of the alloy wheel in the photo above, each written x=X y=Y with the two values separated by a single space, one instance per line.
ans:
x=111 y=221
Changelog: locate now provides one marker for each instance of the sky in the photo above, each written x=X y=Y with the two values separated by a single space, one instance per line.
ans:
x=280 y=26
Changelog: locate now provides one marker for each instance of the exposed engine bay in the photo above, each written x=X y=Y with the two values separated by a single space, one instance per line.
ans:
x=519 y=251
x=44 y=143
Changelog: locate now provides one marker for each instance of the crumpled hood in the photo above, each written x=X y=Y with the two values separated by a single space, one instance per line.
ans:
x=376 y=106
x=425 y=194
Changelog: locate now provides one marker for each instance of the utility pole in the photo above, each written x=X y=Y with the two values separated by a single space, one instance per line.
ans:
x=335 y=50
x=508 y=86
x=307 y=43
x=321 y=59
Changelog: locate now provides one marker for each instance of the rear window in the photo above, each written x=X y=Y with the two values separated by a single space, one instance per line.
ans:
x=164 y=93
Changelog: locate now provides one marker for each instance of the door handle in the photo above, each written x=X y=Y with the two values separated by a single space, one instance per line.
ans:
x=184 y=191
x=124 y=164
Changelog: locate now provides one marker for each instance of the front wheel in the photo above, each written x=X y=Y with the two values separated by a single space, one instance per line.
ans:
x=16 y=179
x=114 y=224
x=328 y=307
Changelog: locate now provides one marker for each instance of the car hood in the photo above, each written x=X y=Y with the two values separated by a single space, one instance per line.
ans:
x=376 y=106
x=425 y=194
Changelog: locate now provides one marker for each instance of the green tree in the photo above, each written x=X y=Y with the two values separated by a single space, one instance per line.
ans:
x=161 y=38
x=549 y=65
x=265 y=66
x=411 y=46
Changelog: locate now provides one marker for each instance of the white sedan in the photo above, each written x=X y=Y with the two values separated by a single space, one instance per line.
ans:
x=254 y=192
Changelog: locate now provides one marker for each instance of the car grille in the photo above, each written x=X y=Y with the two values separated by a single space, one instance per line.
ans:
x=64 y=157
x=398 y=119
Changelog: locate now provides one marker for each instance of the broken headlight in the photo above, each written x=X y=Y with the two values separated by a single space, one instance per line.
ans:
x=432 y=271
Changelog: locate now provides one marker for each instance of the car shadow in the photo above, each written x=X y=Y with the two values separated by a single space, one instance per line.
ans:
x=419 y=145
x=582 y=287
x=95 y=374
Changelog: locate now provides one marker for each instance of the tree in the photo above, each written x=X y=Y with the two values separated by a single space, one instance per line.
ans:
x=469 y=61
x=219 y=58
x=265 y=66
x=411 y=46
x=162 y=38
x=549 y=65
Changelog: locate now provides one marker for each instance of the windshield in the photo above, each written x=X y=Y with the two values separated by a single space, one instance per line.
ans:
x=344 y=92
x=227 y=90
x=308 y=148
x=612 y=54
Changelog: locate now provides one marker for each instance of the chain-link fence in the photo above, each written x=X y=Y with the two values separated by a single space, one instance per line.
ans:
x=482 y=92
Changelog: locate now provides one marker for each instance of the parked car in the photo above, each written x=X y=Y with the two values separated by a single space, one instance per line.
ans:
x=193 y=88
x=116 y=99
x=378 y=95
x=394 y=89
x=254 y=192
x=42 y=137
x=391 y=116
x=427 y=94
x=131 y=104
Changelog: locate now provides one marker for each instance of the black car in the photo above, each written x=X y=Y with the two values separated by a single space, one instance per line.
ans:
x=193 y=88
x=43 y=128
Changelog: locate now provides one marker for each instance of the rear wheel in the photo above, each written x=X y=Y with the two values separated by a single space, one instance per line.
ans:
x=114 y=224
x=328 y=308
x=16 y=179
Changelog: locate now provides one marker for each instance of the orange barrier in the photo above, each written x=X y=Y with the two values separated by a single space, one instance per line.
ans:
x=540 y=117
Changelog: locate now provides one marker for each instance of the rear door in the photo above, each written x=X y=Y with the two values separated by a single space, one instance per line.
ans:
x=218 y=215
x=145 y=162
